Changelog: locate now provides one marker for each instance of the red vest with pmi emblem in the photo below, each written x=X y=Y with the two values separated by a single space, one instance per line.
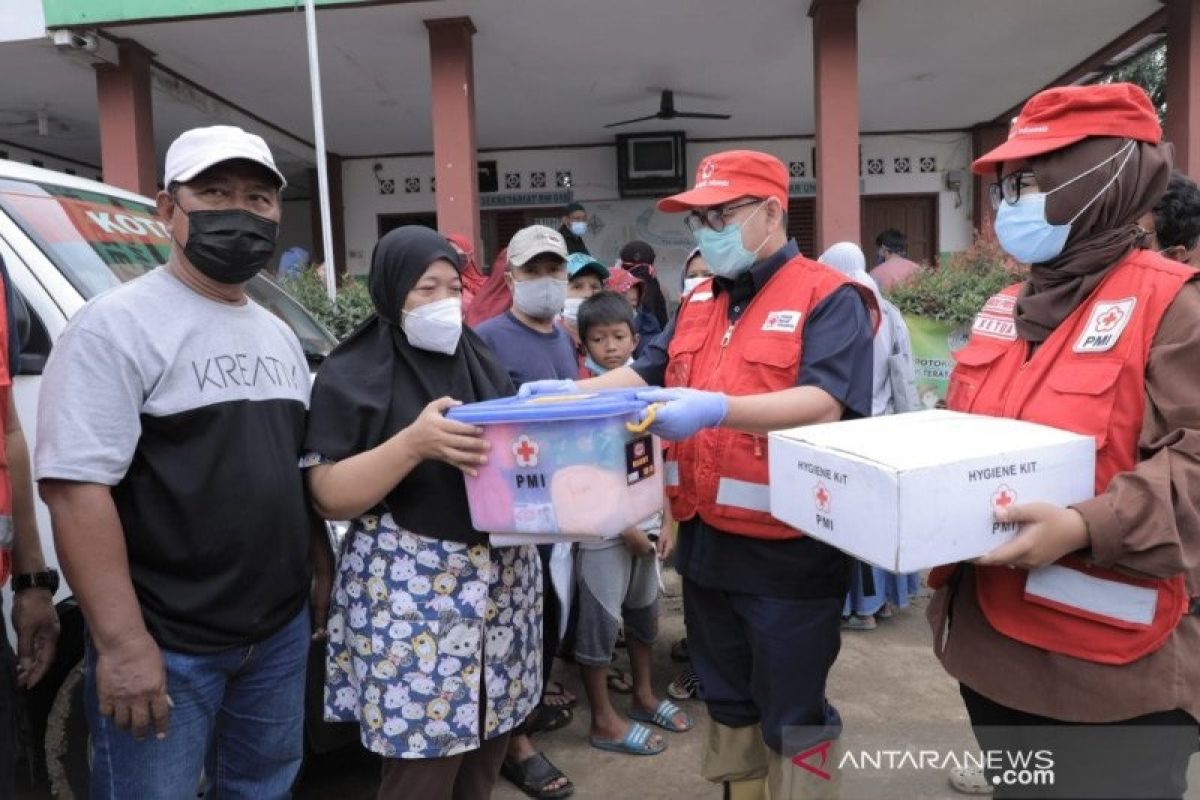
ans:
x=6 y=521
x=1087 y=377
x=721 y=474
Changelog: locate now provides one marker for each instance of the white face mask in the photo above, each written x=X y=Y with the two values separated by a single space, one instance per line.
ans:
x=540 y=298
x=435 y=326
x=571 y=309
x=692 y=283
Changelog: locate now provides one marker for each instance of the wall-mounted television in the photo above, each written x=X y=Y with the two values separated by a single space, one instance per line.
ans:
x=651 y=163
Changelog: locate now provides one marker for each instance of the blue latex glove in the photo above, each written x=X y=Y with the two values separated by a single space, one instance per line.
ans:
x=685 y=411
x=535 y=388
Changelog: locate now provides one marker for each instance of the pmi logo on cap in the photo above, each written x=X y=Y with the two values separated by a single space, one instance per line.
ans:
x=707 y=169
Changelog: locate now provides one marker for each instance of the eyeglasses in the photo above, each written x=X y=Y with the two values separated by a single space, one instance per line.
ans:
x=1009 y=187
x=714 y=218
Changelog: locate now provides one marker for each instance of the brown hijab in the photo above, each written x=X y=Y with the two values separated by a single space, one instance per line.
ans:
x=1103 y=233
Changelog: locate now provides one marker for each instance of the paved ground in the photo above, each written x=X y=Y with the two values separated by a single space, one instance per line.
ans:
x=891 y=691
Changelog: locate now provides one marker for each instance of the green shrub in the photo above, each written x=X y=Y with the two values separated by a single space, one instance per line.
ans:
x=955 y=291
x=352 y=306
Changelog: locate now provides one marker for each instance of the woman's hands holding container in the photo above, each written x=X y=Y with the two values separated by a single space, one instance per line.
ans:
x=1047 y=533
x=436 y=438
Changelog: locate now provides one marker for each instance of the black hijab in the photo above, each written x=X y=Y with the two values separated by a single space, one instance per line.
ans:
x=375 y=383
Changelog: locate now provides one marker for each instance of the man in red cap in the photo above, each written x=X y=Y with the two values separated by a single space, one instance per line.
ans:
x=773 y=341
x=1078 y=638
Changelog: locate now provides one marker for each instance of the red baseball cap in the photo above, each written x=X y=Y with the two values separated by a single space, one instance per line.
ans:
x=621 y=280
x=1064 y=115
x=727 y=176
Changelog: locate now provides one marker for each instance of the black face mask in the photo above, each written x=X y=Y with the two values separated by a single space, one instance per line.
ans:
x=229 y=246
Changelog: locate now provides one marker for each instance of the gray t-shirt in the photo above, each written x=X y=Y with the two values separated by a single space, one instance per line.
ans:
x=193 y=411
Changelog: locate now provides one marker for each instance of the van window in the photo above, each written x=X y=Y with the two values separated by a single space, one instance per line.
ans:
x=98 y=241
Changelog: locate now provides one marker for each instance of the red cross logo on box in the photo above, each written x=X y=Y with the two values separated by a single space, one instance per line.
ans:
x=1004 y=497
x=526 y=451
x=1109 y=319
x=823 y=498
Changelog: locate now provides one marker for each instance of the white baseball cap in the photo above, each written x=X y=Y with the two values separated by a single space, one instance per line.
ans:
x=200 y=148
x=533 y=241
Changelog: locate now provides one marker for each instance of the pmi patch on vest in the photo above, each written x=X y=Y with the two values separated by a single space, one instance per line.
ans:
x=785 y=321
x=1105 y=325
x=995 y=320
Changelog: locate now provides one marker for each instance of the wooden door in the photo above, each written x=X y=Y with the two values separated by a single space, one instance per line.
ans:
x=802 y=224
x=914 y=215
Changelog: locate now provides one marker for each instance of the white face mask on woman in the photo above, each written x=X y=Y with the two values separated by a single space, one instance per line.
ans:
x=435 y=326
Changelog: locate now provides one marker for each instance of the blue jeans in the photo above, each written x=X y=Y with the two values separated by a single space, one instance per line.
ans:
x=238 y=716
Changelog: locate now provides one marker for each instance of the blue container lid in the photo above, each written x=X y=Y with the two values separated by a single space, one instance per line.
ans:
x=550 y=407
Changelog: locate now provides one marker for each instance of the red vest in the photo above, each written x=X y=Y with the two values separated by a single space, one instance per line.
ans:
x=721 y=474
x=1087 y=377
x=6 y=521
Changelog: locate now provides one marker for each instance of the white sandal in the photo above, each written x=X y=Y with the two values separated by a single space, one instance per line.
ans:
x=969 y=780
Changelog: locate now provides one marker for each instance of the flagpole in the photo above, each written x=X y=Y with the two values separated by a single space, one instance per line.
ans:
x=314 y=81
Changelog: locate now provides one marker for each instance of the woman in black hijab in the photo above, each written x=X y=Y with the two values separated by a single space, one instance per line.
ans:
x=419 y=592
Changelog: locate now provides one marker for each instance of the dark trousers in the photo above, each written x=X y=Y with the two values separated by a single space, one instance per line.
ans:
x=765 y=660
x=8 y=713
x=1143 y=757
x=467 y=776
x=551 y=614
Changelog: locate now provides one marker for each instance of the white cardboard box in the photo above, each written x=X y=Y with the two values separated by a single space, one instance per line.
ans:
x=911 y=491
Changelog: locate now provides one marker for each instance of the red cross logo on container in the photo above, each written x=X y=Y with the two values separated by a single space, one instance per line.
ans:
x=526 y=451
x=823 y=498
x=1004 y=497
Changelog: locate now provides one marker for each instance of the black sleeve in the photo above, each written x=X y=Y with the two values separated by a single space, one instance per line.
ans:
x=652 y=365
x=839 y=351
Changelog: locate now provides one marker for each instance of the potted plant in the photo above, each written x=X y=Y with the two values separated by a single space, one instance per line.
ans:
x=939 y=304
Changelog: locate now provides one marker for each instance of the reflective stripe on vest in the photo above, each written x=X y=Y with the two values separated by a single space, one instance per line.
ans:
x=1100 y=598
x=1088 y=377
x=743 y=494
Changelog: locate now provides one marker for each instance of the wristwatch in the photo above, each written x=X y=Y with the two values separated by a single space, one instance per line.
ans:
x=36 y=580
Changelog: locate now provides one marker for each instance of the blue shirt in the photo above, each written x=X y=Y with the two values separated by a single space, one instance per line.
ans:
x=529 y=355
x=837 y=357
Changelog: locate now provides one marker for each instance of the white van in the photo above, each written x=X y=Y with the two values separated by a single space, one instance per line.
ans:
x=64 y=240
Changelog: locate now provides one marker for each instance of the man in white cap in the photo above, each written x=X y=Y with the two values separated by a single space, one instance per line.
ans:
x=170 y=426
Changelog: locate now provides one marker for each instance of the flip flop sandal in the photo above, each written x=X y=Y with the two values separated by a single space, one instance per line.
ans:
x=686 y=686
x=679 y=651
x=556 y=689
x=534 y=774
x=635 y=743
x=663 y=717
x=619 y=681
x=545 y=719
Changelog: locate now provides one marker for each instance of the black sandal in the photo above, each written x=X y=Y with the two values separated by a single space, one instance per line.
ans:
x=545 y=718
x=534 y=774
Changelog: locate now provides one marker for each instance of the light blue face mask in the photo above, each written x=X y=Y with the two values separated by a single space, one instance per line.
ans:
x=724 y=252
x=1023 y=230
x=579 y=228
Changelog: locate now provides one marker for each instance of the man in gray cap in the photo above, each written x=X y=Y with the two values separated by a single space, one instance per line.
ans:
x=170 y=427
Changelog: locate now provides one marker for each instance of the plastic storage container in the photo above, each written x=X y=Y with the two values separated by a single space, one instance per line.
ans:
x=564 y=464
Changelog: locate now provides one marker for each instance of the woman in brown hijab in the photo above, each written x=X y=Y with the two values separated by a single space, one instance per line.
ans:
x=1078 y=629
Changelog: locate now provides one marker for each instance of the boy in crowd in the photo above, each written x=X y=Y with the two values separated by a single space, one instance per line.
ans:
x=617 y=578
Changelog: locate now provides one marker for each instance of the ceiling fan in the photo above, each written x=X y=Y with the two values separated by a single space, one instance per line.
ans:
x=666 y=110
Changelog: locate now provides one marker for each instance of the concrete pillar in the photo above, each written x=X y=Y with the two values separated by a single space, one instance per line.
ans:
x=454 y=158
x=337 y=214
x=984 y=137
x=835 y=71
x=1183 y=83
x=127 y=155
